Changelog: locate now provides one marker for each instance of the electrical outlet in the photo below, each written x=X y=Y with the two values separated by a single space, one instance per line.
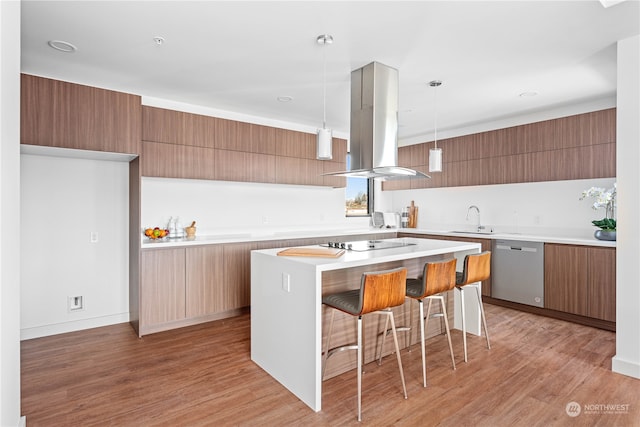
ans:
x=265 y=220
x=93 y=238
x=286 y=282
x=76 y=303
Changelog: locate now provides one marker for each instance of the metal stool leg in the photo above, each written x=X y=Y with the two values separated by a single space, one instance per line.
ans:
x=484 y=320
x=446 y=325
x=326 y=348
x=423 y=326
x=359 y=368
x=464 y=323
x=395 y=341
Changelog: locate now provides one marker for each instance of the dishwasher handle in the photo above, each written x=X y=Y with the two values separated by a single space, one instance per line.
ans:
x=516 y=248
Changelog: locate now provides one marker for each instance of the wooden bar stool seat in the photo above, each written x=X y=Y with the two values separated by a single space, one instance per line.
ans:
x=437 y=278
x=477 y=267
x=379 y=291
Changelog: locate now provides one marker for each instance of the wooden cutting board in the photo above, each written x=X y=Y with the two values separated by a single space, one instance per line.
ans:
x=312 y=252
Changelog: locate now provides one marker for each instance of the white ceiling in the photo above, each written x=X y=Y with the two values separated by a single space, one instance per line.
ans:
x=240 y=56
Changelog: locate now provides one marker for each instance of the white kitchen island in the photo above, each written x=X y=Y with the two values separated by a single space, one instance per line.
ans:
x=287 y=311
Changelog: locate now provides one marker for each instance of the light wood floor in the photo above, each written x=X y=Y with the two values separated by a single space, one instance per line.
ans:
x=203 y=376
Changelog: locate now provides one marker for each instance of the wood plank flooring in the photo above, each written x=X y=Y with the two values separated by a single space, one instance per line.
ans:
x=203 y=376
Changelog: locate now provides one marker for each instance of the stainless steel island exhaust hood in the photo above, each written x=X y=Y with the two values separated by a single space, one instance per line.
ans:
x=374 y=125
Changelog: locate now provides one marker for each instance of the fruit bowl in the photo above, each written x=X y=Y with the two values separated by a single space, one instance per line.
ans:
x=156 y=233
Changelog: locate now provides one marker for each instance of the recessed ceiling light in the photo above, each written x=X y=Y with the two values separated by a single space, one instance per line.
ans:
x=285 y=98
x=528 y=94
x=62 y=46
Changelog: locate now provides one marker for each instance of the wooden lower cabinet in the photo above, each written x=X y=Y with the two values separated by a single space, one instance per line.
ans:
x=205 y=285
x=237 y=275
x=162 y=287
x=195 y=284
x=580 y=280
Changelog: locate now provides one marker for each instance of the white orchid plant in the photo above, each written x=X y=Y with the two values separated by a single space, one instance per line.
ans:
x=603 y=199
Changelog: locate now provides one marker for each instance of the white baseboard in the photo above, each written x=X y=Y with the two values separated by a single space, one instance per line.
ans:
x=625 y=367
x=77 y=325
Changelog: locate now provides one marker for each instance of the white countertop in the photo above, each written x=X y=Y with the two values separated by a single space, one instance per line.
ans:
x=534 y=235
x=530 y=236
x=416 y=248
x=257 y=236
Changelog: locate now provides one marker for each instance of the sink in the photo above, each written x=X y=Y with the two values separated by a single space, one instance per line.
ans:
x=473 y=232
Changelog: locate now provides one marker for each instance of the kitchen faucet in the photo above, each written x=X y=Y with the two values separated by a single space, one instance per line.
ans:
x=479 y=227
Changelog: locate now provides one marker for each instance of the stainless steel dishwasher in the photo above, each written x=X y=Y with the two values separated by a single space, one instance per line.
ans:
x=517 y=271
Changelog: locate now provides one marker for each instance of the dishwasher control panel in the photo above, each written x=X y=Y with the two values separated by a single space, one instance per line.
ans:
x=517 y=271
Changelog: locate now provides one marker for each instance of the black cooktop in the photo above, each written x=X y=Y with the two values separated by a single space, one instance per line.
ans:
x=366 y=245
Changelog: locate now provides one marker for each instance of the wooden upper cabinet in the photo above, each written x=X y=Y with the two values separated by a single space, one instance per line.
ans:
x=176 y=127
x=60 y=114
x=296 y=144
x=575 y=147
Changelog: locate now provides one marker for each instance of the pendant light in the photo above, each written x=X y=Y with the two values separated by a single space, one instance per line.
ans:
x=324 y=137
x=435 y=153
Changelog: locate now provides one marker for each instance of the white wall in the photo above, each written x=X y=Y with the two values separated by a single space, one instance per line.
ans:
x=64 y=200
x=10 y=213
x=540 y=207
x=627 y=358
x=231 y=207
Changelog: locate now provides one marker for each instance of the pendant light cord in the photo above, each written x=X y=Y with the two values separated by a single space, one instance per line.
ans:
x=324 y=86
x=435 y=117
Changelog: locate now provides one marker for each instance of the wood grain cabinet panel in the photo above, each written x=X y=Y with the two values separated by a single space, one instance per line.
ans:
x=237 y=275
x=603 y=160
x=205 y=284
x=60 y=114
x=565 y=278
x=291 y=170
x=603 y=126
x=162 y=286
x=177 y=161
x=572 y=131
x=568 y=148
x=296 y=144
x=226 y=134
x=602 y=283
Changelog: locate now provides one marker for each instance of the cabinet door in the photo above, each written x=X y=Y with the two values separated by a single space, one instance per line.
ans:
x=237 y=275
x=204 y=280
x=602 y=283
x=565 y=278
x=162 y=286
x=68 y=115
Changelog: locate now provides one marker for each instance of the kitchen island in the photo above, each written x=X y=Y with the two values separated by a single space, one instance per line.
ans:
x=287 y=311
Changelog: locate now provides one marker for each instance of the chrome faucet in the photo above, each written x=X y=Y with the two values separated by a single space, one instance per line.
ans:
x=479 y=227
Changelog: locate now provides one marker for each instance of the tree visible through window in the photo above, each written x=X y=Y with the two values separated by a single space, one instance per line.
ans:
x=357 y=195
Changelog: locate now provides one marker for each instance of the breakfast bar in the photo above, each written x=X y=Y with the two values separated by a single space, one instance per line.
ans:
x=286 y=301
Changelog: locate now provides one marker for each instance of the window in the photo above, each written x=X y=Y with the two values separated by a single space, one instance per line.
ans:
x=358 y=194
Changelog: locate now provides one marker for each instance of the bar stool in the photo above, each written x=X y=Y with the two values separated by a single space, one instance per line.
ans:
x=379 y=291
x=477 y=267
x=437 y=278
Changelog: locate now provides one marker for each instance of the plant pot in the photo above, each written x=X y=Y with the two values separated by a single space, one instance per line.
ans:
x=605 y=235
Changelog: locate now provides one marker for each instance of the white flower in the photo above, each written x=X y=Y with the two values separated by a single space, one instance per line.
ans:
x=603 y=198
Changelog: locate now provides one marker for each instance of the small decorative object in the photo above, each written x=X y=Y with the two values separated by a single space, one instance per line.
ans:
x=603 y=199
x=156 y=233
x=413 y=215
x=191 y=231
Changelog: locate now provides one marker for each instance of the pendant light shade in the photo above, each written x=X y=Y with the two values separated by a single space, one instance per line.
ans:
x=324 y=135
x=435 y=153
x=324 y=139
x=435 y=160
